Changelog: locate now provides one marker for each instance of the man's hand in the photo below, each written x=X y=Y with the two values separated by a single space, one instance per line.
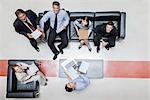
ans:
x=104 y=43
x=38 y=27
x=29 y=35
x=43 y=34
x=68 y=77
x=65 y=28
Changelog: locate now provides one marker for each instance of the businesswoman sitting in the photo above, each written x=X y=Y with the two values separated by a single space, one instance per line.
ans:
x=83 y=28
x=27 y=73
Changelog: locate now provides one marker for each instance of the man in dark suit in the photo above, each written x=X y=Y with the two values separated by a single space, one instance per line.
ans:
x=25 y=24
x=105 y=33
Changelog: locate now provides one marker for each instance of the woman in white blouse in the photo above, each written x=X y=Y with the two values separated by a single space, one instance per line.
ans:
x=27 y=73
x=84 y=23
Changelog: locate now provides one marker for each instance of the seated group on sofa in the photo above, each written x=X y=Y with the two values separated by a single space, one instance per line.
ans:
x=59 y=22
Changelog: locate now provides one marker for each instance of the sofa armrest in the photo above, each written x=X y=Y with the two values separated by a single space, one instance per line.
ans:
x=11 y=80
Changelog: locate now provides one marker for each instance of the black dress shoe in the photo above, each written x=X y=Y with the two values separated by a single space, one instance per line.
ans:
x=98 y=49
x=45 y=84
x=90 y=50
x=61 y=51
x=107 y=47
x=38 y=50
x=79 y=47
x=55 y=56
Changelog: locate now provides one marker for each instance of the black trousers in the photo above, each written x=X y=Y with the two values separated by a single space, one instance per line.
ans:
x=33 y=42
x=110 y=39
x=52 y=37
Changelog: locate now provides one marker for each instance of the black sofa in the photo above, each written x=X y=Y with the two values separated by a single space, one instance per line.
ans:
x=119 y=19
x=15 y=89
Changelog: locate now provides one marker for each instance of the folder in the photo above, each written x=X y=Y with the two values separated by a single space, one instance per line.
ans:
x=83 y=34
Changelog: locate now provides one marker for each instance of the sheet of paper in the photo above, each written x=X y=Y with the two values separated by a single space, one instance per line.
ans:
x=36 y=34
x=84 y=67
x=69 y=62
x=32 y=69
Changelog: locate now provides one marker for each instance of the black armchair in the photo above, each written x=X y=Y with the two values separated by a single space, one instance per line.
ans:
x=15 y=89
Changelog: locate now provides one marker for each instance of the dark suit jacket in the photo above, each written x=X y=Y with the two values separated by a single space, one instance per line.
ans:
x=21 y=28
x=101 y=30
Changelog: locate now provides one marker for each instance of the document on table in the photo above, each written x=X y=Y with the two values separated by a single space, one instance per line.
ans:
x=84 y=67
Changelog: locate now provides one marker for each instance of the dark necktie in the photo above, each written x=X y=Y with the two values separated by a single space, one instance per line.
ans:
x=30 y=25
x=55 y=24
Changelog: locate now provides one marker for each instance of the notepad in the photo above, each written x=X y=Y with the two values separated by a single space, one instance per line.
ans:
x=84 y=67
x=36 y=34
x=83 y=34
x=32 y=69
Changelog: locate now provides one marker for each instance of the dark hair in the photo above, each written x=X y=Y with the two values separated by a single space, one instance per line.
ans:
x=87 y=19
x=13 y=66
x=110 y=23
x=19 y=11
x=68 y=89
x=56 y=3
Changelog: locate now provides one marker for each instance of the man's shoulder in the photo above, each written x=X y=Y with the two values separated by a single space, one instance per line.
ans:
x=63 y=11
x=29 y=11
x=16 y=22
x=101 y=25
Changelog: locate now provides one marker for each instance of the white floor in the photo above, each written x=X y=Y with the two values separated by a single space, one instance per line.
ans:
x=134 y=47
x=104 y=89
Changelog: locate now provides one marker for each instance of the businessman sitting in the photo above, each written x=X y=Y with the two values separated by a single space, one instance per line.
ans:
x=106 y=34
x=59 y=21
x=25 y=24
